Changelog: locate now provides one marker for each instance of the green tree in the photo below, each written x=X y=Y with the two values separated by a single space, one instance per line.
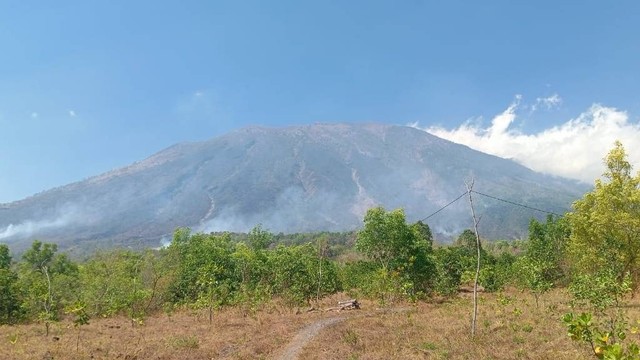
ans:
x=9 y=296
x=112 y=283
x=604 y=248
x=450 y=266
x=605 y=223
x=295 y=273
x=542 y=265
x=205 y=273
x=402 y=251
x=422 y=232
x=260 y=239
x=467 y=241
x=252 y=270
x=385 y=238
x=48 y=282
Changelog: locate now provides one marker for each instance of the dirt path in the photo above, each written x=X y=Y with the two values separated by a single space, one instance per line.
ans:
x=305 y=335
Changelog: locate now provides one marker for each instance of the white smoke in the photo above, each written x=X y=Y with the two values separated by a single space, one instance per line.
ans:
x=574 y=149
x=65 y=215
x=30 y=227
x=293 y=210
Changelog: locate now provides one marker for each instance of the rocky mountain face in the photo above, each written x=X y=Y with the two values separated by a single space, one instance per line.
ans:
x=294 y=179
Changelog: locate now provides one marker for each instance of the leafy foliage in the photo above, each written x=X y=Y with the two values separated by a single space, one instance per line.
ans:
x=403 y=252
x=605 y=223
x=10 y=311
x=543 y=262
x=604 y=247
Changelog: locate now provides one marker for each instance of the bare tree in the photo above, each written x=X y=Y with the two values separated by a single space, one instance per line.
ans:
x=476 y=220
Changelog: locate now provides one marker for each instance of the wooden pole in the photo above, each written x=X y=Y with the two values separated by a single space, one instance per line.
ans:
x=475 y=282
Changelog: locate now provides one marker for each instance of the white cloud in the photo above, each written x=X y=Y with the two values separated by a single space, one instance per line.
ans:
x=574 y=149
x=549 y=103
x=72 y=113
x=34 y=115
x=200 y=102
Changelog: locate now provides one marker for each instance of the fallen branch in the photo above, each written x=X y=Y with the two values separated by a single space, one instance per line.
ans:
x=352 y=304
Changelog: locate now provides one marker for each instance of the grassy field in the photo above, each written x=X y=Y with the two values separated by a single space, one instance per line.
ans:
x=510 y=326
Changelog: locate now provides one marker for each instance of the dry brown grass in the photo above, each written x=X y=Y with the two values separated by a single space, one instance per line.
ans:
x=515 y=330
x=184 y=335
x=506 y=330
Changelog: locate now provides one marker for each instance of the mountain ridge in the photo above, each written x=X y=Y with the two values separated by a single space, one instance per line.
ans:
x=291 y=179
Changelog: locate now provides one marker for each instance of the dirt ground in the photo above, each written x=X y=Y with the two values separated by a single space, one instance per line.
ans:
x=510 y=326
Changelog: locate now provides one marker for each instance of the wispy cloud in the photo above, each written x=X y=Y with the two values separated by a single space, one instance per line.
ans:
x=548 y=103
x=72 y=113
x=574 y=149
x=199 y=101
x=34 y=115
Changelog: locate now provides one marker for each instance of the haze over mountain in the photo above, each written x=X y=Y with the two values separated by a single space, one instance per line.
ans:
x=293 y=179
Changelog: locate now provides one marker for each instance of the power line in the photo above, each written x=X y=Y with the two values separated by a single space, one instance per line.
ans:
x=444 y=207
x=516 y=204
x=491 y=197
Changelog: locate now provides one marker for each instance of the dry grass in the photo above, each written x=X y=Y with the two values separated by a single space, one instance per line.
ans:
x=184 y=335
x=513 y=329
x=509 y=327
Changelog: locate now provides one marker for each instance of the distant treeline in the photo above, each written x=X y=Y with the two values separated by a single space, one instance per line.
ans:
x=247 y=270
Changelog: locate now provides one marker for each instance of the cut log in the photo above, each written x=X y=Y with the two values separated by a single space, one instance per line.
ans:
x=345 y=305
x=347 y=301
x=349 y=304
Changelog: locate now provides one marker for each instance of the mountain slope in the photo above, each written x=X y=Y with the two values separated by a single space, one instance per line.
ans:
x=318 y=177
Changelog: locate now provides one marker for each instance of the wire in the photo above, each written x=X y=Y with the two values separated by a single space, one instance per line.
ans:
x=491 y=197
x=516 y=204
x=444 y=207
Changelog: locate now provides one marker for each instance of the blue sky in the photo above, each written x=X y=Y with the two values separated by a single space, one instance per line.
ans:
x=88 y=86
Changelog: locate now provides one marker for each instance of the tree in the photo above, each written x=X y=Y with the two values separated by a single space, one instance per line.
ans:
x=205 y=273
x=423 y=233
x=9 y=299
x=48 y=281
x=542 y=264
x=604 y=245
x=402 y=251
x=385 y=238
x=467 y=241
x=260 y=239
x=294 y=273
x=605 y=223
x=112 y=283
x=450 y=265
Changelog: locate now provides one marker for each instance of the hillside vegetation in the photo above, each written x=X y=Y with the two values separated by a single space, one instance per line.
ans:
x=575 y=275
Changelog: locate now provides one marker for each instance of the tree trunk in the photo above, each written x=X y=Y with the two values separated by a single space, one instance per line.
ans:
x=475 y=282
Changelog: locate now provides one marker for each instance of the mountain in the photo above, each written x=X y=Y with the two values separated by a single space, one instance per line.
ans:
x=293 y=179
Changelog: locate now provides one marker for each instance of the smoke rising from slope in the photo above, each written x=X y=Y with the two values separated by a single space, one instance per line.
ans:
x=30 y=227
x=574 y=149
x=286 y=215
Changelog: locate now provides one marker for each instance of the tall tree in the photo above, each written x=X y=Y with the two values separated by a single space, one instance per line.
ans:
x=543 y=262
x=385 y=238
x=48 y=281
x=399 y=248
x=9 y=300
x=605 y=223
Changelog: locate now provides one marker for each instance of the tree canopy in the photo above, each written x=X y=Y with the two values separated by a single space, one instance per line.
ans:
x=605 y=223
